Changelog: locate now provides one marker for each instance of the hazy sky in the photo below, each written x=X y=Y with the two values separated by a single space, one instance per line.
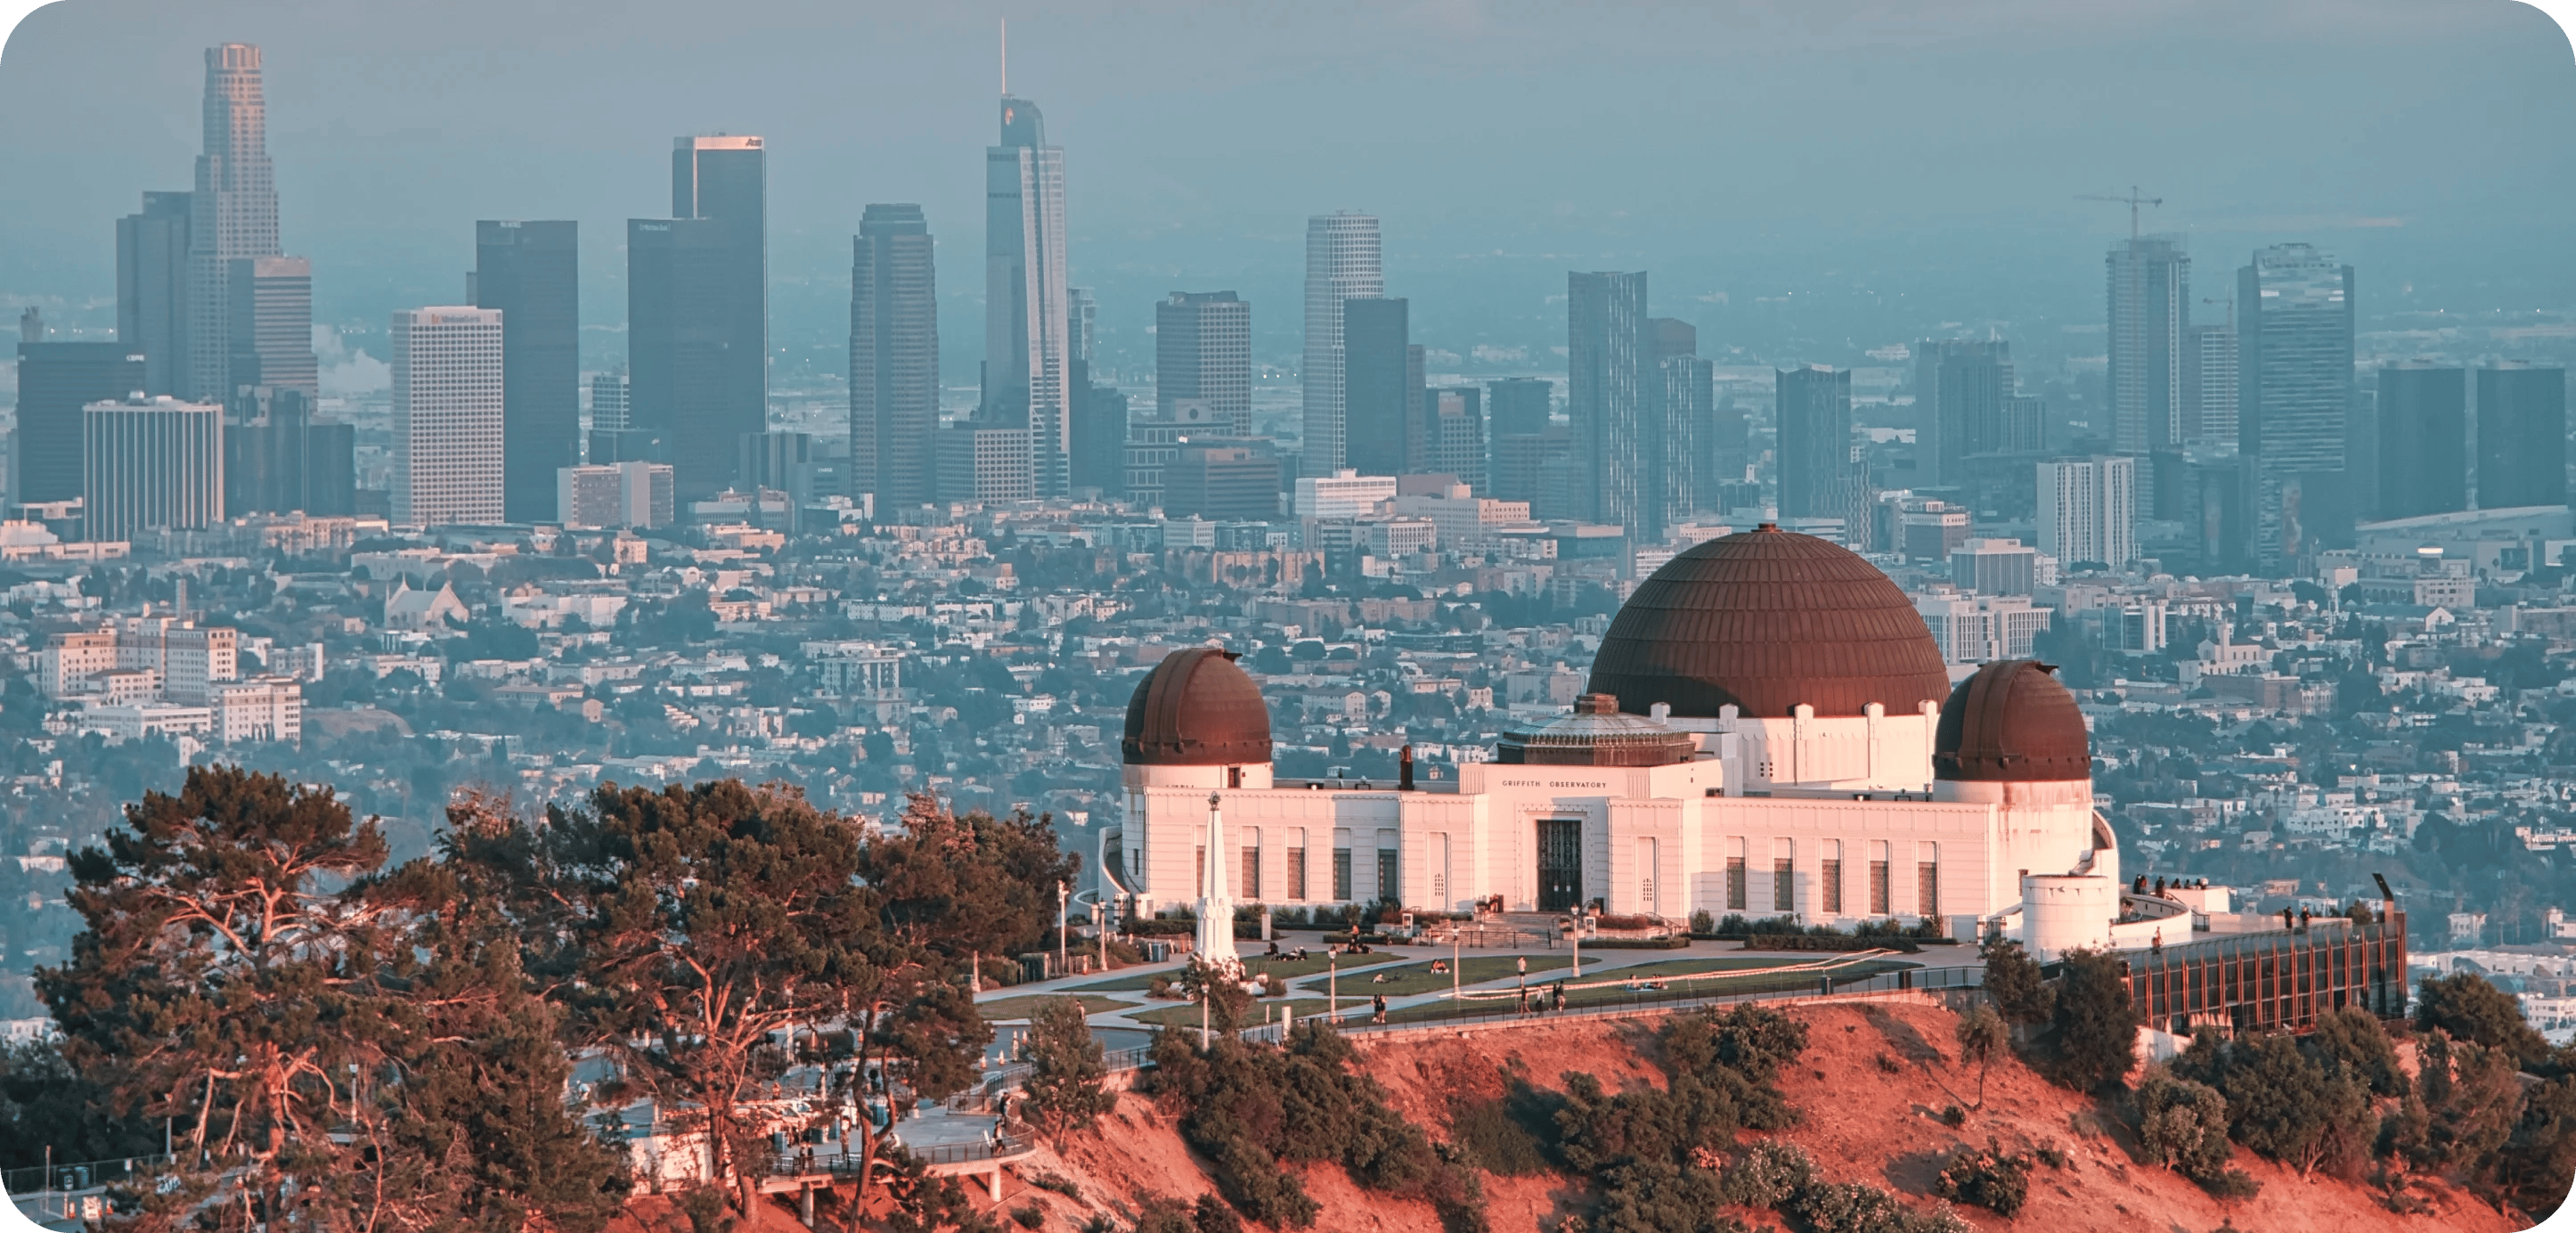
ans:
x=1805 y=177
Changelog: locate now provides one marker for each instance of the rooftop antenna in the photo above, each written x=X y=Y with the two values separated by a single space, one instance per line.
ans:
x=1006 y=57
x=2134 y=200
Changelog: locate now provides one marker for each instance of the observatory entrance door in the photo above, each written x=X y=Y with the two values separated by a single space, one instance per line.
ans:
x=1560 y=864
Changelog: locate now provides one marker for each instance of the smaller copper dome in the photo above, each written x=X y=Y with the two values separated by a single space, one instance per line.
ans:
x=1196 y=709
x=1596 y=734
x=2012 y=722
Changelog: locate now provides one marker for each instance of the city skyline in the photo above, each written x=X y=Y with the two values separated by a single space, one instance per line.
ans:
x=2227 y=197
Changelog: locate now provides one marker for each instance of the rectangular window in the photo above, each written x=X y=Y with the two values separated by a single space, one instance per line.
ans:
x=1297 y=873
x=1251 y=875
x=1202 y=873
x=1832 y=877
x=1878 y=878
x=1783 y=887
x=1927 y=880
x=1388 y=888
x=1647 y=861
x=1342 y=874
x=1735 y=883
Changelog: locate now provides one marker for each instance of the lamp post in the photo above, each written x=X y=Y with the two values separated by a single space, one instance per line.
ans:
x=1063 y=924
x=1455 y=985
x=1333 y=986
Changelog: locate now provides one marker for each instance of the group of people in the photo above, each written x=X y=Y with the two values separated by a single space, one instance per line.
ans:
x=1543 y=997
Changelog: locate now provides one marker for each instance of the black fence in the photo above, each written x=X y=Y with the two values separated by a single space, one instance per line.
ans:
x=37 y=1179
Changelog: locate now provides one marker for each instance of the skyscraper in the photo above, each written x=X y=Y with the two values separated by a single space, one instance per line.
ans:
x=279 y=458
x=697 y=310
x=1203 y=349
x=1814 y=417
x=150 y=463
x=448 y=383
x=1381 y=389
x=530 y=272
x=1685 y=389
x=2149 y=296
x=2294 y=320
x=1454 y=418
x=55 y=381
x=1610 y=399
x=1341 y=266
x=894 y=357
x=2088 y=509
x=1027 y=327
x=1518 y=406
x=2522 y=435
x=233 y=212
x=2209 y=373
x=152 y=289
x=608 y=402
x=2423 y=440
x=270 y=321
x=1960 y=387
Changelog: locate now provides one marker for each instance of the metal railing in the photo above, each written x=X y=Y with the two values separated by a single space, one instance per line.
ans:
x=37 y=1179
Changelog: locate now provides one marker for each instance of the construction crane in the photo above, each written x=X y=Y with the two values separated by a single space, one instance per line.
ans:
x=2133 y=201
x=2229 y=301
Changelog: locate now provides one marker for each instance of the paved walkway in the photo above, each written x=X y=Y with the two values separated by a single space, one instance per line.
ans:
x=1356 y=987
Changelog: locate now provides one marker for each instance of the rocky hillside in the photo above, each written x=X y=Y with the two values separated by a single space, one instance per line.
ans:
x=1869 y=1090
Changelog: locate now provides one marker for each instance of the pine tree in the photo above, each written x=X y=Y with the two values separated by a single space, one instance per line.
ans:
x=223 y=981
x=2096 y=1021
x=1064 y=1087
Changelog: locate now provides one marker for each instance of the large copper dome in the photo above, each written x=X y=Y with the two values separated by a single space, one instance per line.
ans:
x=1196 y=709
x=1766 y=620
x=2012 y=722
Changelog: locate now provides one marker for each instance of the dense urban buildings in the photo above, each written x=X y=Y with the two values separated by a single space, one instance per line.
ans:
x=1342 y=264
x=447 y=415
x=1961 y=390
x=894 y=357
x=271 y=323
x=2088 y=510
x=529 y=272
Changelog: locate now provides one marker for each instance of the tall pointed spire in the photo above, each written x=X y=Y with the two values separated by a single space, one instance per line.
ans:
x=1216 y=907
x=1006 y=57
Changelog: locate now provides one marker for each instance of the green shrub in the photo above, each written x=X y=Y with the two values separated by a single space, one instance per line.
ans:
x=2466 y=1007
x=1701 y=923
x=1029 y=1216
x=1492 y=1135
x=1850 y=1207
x=1254 y=1110
x=2183 y=1125
x=1065 y=1085
x=1767 y=1175
x=2095 y=1020
x=1989 y=1177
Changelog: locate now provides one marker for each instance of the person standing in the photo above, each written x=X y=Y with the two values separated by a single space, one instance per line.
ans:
x=1378 y=1005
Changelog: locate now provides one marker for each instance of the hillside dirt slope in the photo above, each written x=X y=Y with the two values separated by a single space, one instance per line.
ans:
x=1862 y=1121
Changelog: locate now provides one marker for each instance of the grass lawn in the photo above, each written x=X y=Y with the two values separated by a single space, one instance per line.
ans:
x=1187 y=1013
x=1579 y=999
x=1023 y=1007
x=1709 y=963
x=1137 y=982
x=1417 y=977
